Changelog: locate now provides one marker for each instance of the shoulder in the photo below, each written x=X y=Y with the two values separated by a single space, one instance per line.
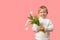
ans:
x=49 y=20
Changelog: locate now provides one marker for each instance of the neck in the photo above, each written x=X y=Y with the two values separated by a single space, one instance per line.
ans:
x=42 y=17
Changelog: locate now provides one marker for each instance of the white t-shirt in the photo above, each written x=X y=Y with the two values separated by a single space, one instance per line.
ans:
x=47 y=24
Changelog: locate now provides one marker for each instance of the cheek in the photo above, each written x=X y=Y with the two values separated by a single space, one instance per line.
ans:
x=40 y=14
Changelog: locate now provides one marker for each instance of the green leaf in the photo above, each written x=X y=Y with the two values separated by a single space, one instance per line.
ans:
x=34 y=20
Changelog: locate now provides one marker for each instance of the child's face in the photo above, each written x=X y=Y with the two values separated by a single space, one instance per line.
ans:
x=43 y=13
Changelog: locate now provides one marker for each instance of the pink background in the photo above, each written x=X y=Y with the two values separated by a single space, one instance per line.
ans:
x=14 y=13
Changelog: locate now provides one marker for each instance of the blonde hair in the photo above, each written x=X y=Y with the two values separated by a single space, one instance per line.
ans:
x=43 y=7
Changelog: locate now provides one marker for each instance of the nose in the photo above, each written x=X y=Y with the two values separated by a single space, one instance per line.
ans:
x=43 y=13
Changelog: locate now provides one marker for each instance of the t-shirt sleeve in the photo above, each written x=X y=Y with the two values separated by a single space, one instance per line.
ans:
x=34 y=28
x=50 y=26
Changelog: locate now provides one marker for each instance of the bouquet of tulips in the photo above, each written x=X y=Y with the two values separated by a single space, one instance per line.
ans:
x=34 y=20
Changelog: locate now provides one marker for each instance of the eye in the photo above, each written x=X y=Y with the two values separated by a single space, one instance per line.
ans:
x=41 y=12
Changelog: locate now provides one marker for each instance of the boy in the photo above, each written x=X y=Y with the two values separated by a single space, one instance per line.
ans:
x=45 y=24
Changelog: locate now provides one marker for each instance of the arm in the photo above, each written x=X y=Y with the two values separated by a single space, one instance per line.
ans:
x=34 y=28
x=50 y=27
x=37 y=28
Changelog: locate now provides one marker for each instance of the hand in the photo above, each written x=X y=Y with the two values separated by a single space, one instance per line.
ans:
x=40 y=28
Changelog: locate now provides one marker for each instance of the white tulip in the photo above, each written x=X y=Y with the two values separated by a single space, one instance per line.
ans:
x=26 y=28
x=26 y=23
x=30 y=12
